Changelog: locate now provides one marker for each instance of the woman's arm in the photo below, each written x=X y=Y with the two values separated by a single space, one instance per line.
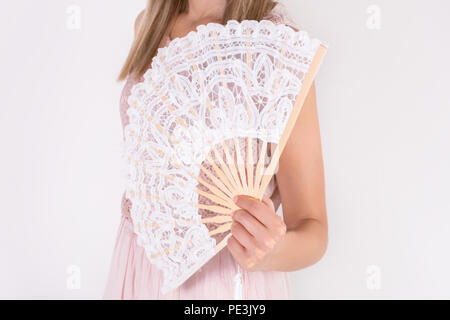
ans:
x=261 y=240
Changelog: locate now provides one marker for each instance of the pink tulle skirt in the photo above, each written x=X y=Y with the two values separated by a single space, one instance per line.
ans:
x=131 y=275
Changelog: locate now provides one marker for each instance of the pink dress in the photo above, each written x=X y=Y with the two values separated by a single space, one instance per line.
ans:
x=131 y=275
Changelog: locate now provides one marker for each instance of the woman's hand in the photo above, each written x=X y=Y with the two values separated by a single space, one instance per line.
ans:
x=259 y=238
x=256 y=232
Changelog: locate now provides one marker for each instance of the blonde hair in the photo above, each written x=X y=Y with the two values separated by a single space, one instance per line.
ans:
x=158 y=18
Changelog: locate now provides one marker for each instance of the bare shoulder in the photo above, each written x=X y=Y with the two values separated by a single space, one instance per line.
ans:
x=281 y=15
x=138 y=21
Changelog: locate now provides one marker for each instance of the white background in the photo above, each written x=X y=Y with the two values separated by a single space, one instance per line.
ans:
x=384 y=106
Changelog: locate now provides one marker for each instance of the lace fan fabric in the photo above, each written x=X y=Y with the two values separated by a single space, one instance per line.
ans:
x=212 y=97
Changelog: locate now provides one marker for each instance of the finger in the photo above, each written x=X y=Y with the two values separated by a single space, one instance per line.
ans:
x=259 y=231
x=268 y=201
x=257 y=208
x=243 y=236
x=236 y=249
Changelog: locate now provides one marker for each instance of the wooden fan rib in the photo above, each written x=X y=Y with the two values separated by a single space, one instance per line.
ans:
x=229 y=203
x=249 y=163
x=249 y=166
x=223 y=228
x=239 y=183
x=214 y=208
x=223 y=218
x=259 y=167
x=298 y=105
x=227 y=208
x=224 y=171
x=214 y=189
x=262 y=156
x=229 y=188
x=240 y=165
x=231 y=169
x=218 y=183
x=226 y=174
x=218 y=219
x=222 y=243
x=218 y=195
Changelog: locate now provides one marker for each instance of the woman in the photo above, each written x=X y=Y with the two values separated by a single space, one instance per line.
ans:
x=262 y=244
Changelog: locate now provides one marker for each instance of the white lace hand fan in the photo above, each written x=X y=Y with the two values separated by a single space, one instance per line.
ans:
x=210 y=108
